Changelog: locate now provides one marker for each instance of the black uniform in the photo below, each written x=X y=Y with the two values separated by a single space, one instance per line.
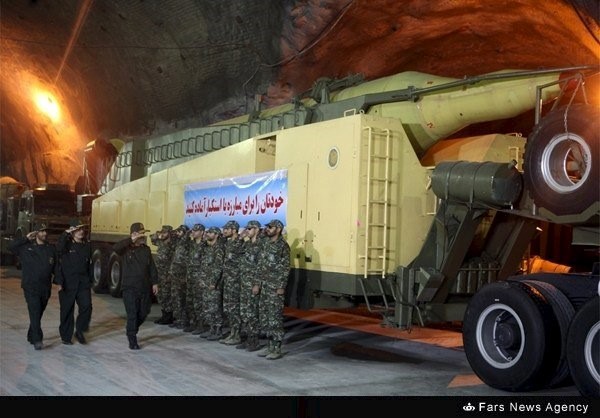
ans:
x=74 y=274
x=39 y=262
x=138 y=275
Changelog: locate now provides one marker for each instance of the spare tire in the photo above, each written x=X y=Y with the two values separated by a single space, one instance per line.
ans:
x=562 y=159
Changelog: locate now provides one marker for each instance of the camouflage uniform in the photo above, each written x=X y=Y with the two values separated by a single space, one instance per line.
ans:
x=248 y=300
x=210 y=276
x=177 y=274
x=273 y=273
x=193 y=300
x=231 y=283
x=164 y=256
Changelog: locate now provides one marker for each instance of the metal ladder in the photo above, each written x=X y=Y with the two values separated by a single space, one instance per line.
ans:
x=376 y=245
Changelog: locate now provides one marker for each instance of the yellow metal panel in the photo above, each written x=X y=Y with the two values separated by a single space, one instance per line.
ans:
x=156 y=210
x=159 y=181
x=133 y=211
x=335 y=227
x=325 y=226
x=296 y=215
x=108 y=216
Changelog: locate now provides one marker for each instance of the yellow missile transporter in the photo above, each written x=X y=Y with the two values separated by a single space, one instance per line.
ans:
x=381 y=208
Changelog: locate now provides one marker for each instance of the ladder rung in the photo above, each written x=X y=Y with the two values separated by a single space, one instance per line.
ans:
x=375 y=247
x=379 y=179
x=381 y=157
x=378 y=201
x=377 y=225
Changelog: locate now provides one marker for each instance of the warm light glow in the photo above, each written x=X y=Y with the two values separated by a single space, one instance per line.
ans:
x=47 y=105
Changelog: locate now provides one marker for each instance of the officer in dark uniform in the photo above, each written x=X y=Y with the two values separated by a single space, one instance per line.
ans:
x=38 y=259
x=140 y=279
x=74 y=280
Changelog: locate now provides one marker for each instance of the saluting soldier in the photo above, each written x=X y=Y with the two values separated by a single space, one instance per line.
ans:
x=74 y=280
x=140 y=280
x=273 y=274
x=38 y=261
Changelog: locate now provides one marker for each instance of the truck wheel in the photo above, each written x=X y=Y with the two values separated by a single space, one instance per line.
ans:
x=99 y=272
x=583 y=346
x=563 y=312
x=510 y=337
x=114 y=275
x=562 y=158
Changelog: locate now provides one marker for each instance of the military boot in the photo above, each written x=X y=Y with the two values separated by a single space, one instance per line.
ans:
x=252 y=343
x=275 y=352
x=200 y=328
x=189 y=327
x=215 y=334
x=206 y=332
x=267 y=350
x=234 y=338
x=168 y=319
x=162 y=317
x=225 y=338
x=133 y=344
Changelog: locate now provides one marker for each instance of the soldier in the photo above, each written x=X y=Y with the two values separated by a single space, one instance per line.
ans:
x=193 y=301
x=74 y=280
x=165 y=242
x=38 y=261
x=273 y=273
x=231 y=281
x=248 y=276
x=211 y=268
x=177 y=273
x=140 y=277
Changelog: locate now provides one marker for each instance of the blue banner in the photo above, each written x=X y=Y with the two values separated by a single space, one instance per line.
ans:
x=261 y=197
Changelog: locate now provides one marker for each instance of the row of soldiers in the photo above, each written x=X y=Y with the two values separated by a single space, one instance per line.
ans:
x=210 y=279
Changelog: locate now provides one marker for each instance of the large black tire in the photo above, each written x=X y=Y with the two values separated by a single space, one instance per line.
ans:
x=114 y=275
x=561 y=166
x=583 y=348
x=99 y=271
x=510 y=337
x=563 y=312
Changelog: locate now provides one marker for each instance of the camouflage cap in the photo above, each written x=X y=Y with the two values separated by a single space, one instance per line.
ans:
x=214 y=229
x=137 y=227
x=166 y=228
x=183 y=228
x=232 y=225
x=253 y=224
x=276 y=223
x=198 y=227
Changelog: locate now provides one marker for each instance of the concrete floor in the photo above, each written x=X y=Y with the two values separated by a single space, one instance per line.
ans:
x=320 y=360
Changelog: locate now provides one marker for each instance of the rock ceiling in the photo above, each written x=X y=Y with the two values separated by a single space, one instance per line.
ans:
x=127 y=69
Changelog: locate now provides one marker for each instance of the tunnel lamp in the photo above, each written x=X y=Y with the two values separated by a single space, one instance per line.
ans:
x=48 y=105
